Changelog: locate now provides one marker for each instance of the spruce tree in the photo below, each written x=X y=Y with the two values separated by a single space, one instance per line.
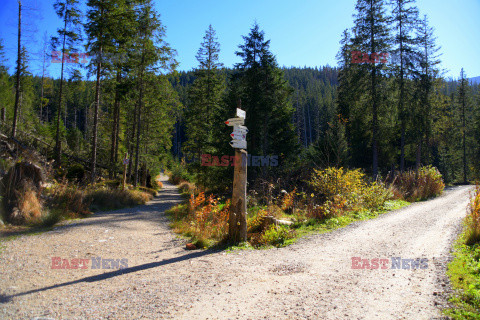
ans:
x=203 y=116
x=68 y=38
x=265 y=95
x=6 y=88
x=428 y=62
x=101 y=29
x=151 y=55
x=405 y=18
x=463 y=102
x=371 y=36
x=205 y=98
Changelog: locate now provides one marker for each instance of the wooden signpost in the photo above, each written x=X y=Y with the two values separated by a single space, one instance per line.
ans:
x=237 y=223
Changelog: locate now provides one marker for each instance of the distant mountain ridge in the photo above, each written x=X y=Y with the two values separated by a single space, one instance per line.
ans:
x=474 y=80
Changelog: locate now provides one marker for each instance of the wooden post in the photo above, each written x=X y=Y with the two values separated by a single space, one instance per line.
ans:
x=237 y=229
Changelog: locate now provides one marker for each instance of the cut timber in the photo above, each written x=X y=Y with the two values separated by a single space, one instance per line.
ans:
x=269 y=220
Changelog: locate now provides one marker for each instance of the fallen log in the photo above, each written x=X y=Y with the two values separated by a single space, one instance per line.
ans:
x=269 y=220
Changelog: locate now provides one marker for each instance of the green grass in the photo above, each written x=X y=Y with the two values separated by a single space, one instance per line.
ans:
x=313 y=226
x=283 y=235
x=464 y=273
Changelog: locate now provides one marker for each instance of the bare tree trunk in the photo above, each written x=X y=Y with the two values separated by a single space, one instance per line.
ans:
x=374 y=104
x=43 y=80
x=130 y=144
x=305 y=128
x=419 y=156
x=58 y=142
x=95 y=114
x=139 y=119
x=309 y=125
x=3 y=116
x=114 y=136
x=17 y=80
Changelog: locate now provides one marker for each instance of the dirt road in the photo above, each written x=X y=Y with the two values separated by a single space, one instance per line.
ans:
x=312 y=279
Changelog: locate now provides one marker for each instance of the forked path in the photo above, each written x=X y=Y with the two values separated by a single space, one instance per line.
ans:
x=312 y=279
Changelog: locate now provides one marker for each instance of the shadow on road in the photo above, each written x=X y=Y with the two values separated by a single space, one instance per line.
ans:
x=7 y=298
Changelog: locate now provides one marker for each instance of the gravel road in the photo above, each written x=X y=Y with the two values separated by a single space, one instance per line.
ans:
x=312 y=279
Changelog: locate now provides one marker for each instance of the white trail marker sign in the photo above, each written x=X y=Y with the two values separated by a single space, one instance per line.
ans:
x=235 y=122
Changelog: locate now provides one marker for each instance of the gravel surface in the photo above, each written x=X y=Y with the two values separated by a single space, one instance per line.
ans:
x=312 y=279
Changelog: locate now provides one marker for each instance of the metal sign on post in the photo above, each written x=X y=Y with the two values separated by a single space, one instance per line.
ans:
x=241 y=113
x=241 y=129
x=239 y=144
x=238 y=135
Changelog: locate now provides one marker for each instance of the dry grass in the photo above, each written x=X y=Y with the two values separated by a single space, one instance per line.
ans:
x=412 y=186
x=30 y=208
x=107 y=199
x=186 y=187
x=203 y=219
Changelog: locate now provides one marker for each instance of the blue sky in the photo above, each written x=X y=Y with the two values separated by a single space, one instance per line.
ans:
x=302 y=33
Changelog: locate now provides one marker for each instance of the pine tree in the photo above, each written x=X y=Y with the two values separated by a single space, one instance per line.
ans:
x=68 y=38
x=405 y=17
x=371 y=35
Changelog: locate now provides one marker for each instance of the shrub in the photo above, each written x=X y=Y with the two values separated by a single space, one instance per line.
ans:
x=178 y=174
x=375 y=196
x=413 y=186
x=332 y=182
x=277 y=235
x=288 y=201
x=204 y=219
x=473 y=219
x=338 y=191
